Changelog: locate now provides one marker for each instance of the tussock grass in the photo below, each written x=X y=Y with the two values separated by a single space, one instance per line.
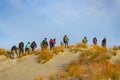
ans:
x=4 y=52
x=45 y=56
x=58 y=49
x=92 y=64
x=37 y=52
x=79 y=47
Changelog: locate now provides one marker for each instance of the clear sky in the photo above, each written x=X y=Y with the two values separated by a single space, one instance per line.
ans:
x=28 y=20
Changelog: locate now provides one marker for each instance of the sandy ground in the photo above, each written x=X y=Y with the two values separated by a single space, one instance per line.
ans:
x=27 y=68
x=116 y=59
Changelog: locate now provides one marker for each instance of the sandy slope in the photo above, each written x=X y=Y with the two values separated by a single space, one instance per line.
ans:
x=27 y=68
x=116 y=59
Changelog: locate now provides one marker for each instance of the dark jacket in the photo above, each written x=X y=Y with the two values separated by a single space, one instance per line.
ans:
x=33 y=45
x=21 y=45
x=13 y=48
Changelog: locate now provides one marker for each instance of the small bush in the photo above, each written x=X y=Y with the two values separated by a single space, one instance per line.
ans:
x=58 y=49
x=45 y=56
x=4 y=52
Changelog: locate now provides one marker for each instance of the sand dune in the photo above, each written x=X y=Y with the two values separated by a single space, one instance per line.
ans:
x=27 y=68
x=116 y=59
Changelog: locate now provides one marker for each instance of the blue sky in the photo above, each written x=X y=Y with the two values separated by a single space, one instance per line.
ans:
x=28 y=20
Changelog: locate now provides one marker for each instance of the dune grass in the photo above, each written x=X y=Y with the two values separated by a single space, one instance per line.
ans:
x=93 y=64
x=4 y=52
x=45 y=56
x=58 y=49
x=78 y=47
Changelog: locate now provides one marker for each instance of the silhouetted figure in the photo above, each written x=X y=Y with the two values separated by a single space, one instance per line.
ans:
x=13 y=50
x=54 y=42
x=51 y=43
x=33 y=45
x=104 y=42
x=45 y=43
x=95 y=41
x=21 y=48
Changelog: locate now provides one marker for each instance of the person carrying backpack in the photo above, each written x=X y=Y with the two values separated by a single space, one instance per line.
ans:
x=27 y=48
x=33 y=45
x=95 y=41
x=45 y=43
x=84 y=40
x=65 y=40
x=51 y=43
x=104 y=42
x=54 y=42
x=13 y=50
x=21 y=48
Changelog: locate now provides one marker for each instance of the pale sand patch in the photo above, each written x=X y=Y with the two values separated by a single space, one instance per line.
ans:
x=116 y=59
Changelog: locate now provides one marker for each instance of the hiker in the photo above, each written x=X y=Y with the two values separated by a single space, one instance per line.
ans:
x=65 y=40
x=104 y=42
x=51 y=44
x=45 y=43
x=27 y=48
x=13 y=50
x=84 y=40
x=54 y=42
x=33 y=45
x=95 y=41
x=21 y=48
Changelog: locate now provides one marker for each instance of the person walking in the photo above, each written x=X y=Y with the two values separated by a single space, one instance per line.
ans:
x=51 y=44
x=33 y=45
x=13 y=50
x=95 y=41
x=45 y=43
x=21 y=48
x=27 y=48
x=104 y=42
x=84 y=40
x=65 y=40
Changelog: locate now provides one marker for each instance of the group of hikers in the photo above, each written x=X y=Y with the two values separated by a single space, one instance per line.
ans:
x=20 y=49
x=95 y=41
x=44 y=44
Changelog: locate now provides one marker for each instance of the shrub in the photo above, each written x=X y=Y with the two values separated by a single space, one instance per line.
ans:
x=45 y=56
x=58 y=49
x=4 y=52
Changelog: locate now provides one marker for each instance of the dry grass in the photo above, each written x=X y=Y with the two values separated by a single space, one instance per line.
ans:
x=93 y=64
x=4 y=52
x=45 y=56
x=58 y=49
x=79 y=47
x=73 y=70
x=40 y=78
x=37 y=52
